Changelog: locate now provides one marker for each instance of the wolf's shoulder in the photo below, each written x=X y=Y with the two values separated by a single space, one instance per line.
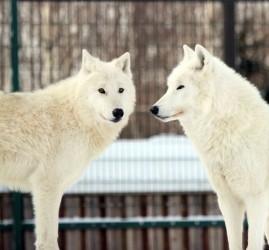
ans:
x=23 y=102
x=13 y=98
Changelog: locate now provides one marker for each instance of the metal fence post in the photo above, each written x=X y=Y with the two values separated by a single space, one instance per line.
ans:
x=229 y=32
x=17 y=229
x=14 y=45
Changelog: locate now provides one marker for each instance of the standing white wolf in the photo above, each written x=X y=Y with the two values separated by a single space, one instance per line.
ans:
x=48 y=137
x=227 y=121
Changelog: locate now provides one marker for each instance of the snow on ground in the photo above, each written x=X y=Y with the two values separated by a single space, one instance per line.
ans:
x=163 y=163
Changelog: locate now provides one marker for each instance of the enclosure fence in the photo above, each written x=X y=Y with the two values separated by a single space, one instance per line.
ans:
x=41 y=43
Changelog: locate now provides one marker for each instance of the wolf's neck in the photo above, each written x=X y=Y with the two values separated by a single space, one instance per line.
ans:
x=100 y=136
x=236 y=108
x=97 y=134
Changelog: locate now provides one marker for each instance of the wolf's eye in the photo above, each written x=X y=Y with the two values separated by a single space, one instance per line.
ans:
x=102 y=91
x=180 y=87
x=121 y=90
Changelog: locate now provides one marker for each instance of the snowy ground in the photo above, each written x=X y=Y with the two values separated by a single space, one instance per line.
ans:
x=164 y=163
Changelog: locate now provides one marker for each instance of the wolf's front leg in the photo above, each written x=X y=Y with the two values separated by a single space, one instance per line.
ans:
x=257 y=211
x=233 y=212
x=46 y=206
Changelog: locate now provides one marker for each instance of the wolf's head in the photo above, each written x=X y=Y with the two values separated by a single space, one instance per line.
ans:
x=190 y=87
x=107 y=88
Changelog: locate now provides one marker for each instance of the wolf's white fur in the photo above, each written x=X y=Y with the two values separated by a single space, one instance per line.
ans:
x=227 y=121
x=48 y=137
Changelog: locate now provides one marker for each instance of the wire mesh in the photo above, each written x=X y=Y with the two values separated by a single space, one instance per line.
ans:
x=252 y=41
x=153 y=32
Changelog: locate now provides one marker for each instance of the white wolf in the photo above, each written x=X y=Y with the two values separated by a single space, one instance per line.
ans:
x=48 y=137
x=227 y=121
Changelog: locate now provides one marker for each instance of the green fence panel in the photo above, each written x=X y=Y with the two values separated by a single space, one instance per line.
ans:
x=17 y=229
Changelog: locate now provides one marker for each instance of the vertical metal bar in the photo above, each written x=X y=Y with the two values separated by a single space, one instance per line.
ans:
x=17 y=231
x=229 y=32
x=14 y=45
x=14 y=49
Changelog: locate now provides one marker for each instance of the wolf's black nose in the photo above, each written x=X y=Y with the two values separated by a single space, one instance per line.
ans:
x=118 y=113
x=154 y=110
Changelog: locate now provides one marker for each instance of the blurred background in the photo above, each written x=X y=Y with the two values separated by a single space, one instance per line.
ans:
x=148 y=191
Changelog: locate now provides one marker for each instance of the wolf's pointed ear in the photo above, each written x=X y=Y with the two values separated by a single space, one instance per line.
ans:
x=188 y=52
x=88 y=61
x=203 y=55
x=124 y=63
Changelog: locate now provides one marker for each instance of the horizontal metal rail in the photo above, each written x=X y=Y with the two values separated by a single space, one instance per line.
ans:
x=130 y=223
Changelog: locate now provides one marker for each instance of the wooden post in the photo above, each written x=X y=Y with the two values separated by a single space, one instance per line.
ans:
x=185 y=213
x=165 y=212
